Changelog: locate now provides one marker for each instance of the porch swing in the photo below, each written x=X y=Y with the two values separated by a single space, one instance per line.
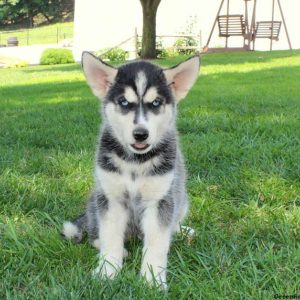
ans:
x=268 y=29
x=238 y=25
x=231 y=25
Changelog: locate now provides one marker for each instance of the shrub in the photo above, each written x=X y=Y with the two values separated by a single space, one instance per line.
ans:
x=161 y=51
x=186 y=42
x=55 y=56
x=172 y=52
x=167 y=52
x=115 y=54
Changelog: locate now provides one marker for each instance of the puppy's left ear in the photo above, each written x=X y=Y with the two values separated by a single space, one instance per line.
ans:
x=182 y=77
x=99 y=75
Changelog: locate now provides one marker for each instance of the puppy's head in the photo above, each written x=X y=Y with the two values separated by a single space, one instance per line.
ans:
x=139 y=98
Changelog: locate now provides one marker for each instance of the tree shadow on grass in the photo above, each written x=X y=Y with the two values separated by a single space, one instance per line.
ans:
x=61 y=68
x=238 y=158
x=250 y=124
x=207 y=60
x=253 y=98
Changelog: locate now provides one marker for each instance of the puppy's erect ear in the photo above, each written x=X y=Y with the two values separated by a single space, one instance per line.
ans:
x=182 y=77
x=98 y=74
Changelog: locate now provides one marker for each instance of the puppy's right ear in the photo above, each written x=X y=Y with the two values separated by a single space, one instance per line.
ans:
x=98 y=74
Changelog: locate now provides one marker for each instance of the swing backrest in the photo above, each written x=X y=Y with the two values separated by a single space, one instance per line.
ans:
x=263 y=29
x=231 y=25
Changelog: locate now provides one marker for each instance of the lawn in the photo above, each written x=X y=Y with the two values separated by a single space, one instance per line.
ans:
x=48 y=34
x=240 y=133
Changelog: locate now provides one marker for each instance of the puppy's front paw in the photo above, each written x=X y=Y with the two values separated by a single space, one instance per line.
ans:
x=106 y=269
x=155 y=278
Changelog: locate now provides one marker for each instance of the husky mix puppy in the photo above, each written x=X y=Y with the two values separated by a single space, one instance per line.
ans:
x=139 y=175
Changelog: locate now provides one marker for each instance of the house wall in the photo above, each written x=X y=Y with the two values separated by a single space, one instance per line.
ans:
x=100 y=24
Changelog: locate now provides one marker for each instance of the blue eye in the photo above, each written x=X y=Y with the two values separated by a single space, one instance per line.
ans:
x=156 y=103
x=123 y=102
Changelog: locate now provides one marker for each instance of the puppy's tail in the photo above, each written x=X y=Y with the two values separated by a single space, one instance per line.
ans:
x=73 y=230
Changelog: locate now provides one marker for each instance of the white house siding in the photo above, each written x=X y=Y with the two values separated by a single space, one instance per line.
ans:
x=100 y=24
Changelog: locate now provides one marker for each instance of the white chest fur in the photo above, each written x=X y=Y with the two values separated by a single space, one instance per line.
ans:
x=133 y=181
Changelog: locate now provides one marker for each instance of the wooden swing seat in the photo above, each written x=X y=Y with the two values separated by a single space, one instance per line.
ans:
x=231 y=25
x=267 y=29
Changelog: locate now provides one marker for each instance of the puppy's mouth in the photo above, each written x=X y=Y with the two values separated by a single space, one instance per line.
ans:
x=139 y=146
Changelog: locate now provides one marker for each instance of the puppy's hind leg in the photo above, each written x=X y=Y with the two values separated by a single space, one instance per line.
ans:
x=186 y=231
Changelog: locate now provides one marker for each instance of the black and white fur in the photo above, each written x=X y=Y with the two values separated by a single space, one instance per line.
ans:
x=139 y=175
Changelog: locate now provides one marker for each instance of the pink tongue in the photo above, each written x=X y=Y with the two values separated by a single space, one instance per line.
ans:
x=140 y=146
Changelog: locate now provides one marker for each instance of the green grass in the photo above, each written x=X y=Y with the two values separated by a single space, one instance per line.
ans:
x=240 y=133
x=48 y=34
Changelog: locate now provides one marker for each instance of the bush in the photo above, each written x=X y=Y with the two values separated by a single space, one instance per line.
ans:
x=56 y=56
x=115 y=54
x=161 y=52
x=167 y=53
x=172 y=52
x=186 y=42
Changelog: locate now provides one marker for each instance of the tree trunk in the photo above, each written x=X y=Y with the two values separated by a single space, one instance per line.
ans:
x=29 y=13
x=30 y=19
x=149 y=28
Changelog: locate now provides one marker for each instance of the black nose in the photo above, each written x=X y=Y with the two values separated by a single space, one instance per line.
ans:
x=140 y=134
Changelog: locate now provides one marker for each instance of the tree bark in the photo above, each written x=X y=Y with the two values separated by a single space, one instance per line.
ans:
x=149 y=28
